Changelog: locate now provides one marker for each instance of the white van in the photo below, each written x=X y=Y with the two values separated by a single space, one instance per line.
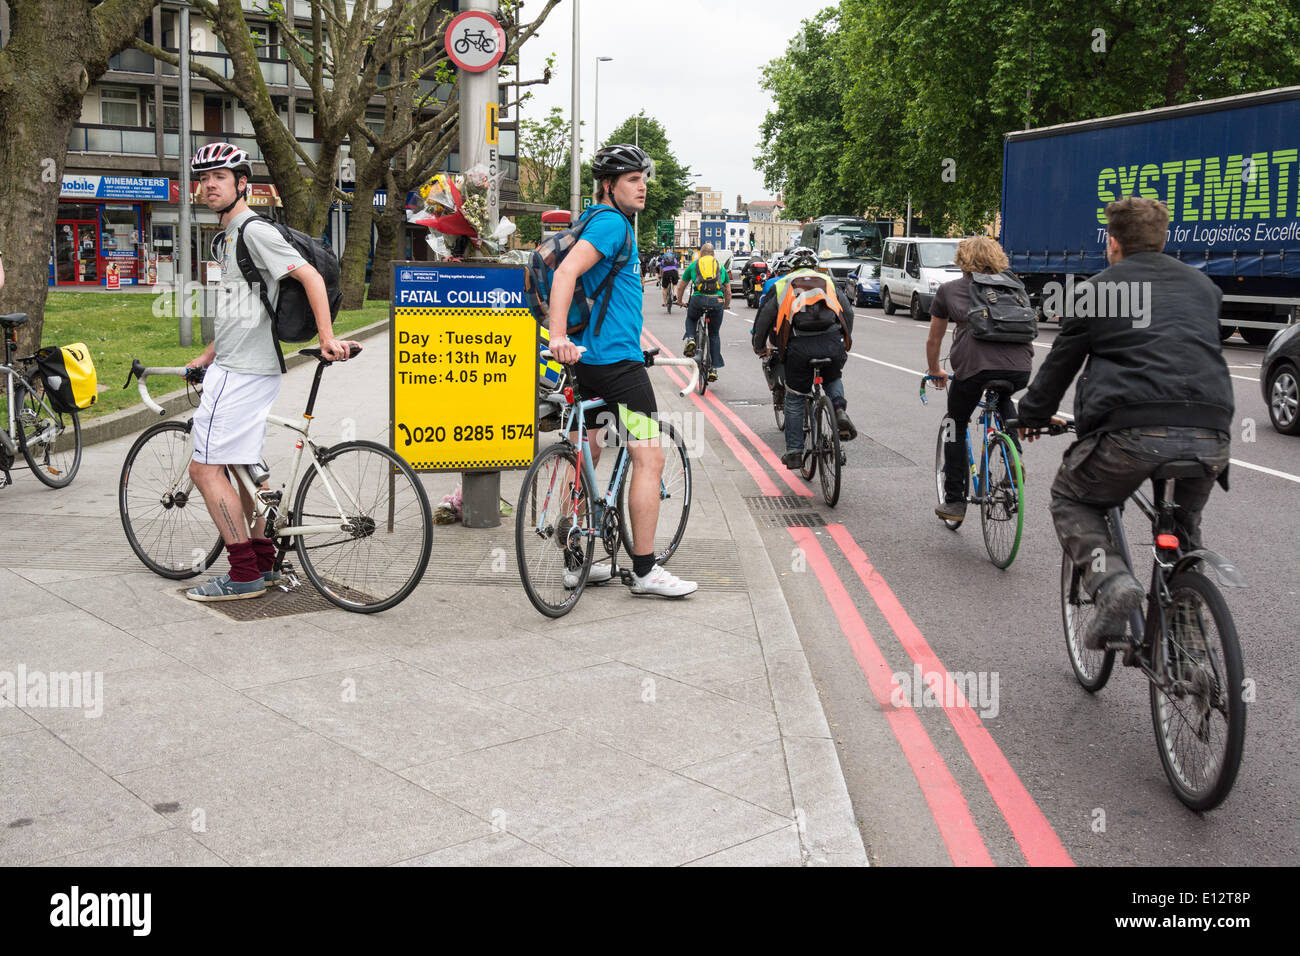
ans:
x=911 y=271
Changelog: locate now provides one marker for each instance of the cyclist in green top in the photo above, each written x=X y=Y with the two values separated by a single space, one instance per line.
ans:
x=711 y=295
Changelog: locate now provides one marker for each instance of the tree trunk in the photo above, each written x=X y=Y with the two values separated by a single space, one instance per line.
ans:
x=356 y=249
x=54 y=53
x=391 y=224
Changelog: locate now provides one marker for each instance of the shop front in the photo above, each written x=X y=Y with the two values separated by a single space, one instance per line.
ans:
x=101 y=233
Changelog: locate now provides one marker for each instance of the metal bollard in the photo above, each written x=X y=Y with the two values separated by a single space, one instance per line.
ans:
x=480 y=499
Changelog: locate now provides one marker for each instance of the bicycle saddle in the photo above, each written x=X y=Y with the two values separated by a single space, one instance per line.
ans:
x=353 y=352
x=13 y=319
x=1189 y=468
x=999 y=385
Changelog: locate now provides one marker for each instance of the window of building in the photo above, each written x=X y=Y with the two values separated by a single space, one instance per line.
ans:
x=171 y=111
x=119 y=107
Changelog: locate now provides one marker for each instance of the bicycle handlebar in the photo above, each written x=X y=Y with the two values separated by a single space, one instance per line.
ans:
x=1038 y=431
x=924 y=379
x=652 y=358
x=140 y=372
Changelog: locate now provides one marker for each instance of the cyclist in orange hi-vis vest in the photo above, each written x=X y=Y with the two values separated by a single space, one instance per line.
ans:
x=807 y=317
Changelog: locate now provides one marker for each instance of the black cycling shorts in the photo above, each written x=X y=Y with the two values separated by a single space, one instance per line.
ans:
x=629 y=398
x=668 y=279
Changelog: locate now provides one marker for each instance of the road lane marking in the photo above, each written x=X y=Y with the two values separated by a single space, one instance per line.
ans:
x=1268 y=471
x=1037 y=839
x=943 y=795
x=763 y=449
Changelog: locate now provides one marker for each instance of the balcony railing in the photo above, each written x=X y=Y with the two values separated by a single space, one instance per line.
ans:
x=86 y=138
x=132 y=61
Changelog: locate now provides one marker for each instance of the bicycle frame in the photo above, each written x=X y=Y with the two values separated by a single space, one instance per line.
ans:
x=7 y=434
x=989 y=422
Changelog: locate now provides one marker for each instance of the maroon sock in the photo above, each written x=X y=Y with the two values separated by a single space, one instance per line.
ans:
x=264 y=549
x=243 y=563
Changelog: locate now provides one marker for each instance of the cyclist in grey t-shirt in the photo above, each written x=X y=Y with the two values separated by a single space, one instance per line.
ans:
x=243 y=375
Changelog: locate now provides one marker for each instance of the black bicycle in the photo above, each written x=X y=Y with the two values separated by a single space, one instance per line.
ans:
x=48 y=438
x=1186 y=644
x=479 y=40
x=821 y=437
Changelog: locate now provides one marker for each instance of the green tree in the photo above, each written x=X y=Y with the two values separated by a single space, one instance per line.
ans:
x=57 y=49
x=924 y=92
x=543 y=146
x=802 y=140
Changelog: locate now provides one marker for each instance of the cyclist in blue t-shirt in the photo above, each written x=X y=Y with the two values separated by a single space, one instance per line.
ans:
x=613 y=366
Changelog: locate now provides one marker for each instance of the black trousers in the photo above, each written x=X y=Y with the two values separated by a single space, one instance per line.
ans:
x=963 y=397
x=1102 y=469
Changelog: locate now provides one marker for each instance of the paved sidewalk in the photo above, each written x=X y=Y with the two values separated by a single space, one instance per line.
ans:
x=459 y=728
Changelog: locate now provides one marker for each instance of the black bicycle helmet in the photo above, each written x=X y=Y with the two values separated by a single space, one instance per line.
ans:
x=619 y=159
x=802 y=258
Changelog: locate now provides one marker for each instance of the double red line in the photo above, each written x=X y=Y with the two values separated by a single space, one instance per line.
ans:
x=952 y=816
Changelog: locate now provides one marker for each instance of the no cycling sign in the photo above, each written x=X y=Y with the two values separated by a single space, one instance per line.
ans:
x=475 y=41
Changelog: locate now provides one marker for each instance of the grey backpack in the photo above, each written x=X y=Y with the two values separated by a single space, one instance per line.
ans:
x=999 y=309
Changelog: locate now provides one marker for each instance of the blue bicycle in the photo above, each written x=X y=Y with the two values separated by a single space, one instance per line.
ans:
x=562 y=510
x=995 y=481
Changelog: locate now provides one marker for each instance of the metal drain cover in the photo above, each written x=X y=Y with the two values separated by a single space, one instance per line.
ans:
x=807 y=519
x=776 y=502
x=275 y=603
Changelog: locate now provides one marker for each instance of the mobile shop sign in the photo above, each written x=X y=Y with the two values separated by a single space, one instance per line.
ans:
x=463 y=389
x=113 y=187
x=475 y=41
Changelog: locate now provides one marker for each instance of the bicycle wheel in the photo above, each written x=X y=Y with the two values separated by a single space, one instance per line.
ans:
x=674 y=498
x=378 y=555
x=809 y=467
x=1002 y=515
x=163 y=514
x=939 y=479
x=827 y=451
x=1200 y=728
x=49 y=440
x=1091 y=668
x=702 y=354
x=553 y=533
x=670 y=303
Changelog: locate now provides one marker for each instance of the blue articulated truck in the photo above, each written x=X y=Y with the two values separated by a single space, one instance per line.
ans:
x=1228 y=169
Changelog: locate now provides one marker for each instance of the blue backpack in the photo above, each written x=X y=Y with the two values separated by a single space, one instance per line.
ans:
x=546 y=258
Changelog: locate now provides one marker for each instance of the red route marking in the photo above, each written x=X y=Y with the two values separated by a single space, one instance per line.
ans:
x=947 y=804
x=1037 y=839
x=791 y=480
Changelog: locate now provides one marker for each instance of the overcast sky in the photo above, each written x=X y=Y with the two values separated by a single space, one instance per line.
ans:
x=694 y=65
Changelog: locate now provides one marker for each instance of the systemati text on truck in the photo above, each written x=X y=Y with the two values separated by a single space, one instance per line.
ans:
x=1209 y=188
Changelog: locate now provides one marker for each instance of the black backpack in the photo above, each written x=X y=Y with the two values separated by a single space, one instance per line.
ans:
x=292 y=319
x=999 y=309
x=546 y=258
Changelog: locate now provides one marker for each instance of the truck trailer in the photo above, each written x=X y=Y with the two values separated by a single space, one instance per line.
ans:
x=1228 y=169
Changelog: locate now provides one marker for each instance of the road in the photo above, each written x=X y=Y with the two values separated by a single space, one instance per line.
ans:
x=1046 y=773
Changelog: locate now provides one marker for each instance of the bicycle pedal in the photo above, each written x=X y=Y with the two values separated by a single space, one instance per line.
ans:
x=625 y=576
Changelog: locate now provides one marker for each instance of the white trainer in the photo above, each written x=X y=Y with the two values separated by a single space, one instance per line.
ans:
x=599 y=574
x=663 y=583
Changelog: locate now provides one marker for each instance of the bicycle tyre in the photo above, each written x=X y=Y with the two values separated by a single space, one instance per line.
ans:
x=827 y=451
x=674 y=486
x=808 y=468
x=1091 y=668
x=939 y=478
x=669 y=305
x=702 y=354
x=179 y=540
x=1221 y=683
x=778 y=411
x=546 y=502
x=1002 y=513
x=358 y=579
x=50 y=465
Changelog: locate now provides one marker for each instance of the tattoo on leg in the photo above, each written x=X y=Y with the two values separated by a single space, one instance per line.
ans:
x=230 y=522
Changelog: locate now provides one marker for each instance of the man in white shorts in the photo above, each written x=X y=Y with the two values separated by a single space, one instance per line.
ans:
x=243 y=377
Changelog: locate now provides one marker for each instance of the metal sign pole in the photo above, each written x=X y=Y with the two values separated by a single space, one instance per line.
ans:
x=481 y=491
x=183 y=225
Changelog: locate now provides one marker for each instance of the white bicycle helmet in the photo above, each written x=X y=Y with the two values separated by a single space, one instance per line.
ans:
x=224 y=156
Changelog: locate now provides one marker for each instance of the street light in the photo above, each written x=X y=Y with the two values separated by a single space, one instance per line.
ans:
x=595 y=126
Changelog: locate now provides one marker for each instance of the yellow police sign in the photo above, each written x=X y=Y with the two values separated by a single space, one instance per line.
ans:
x=464 y=367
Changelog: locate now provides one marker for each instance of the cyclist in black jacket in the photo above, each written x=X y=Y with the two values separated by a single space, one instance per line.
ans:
x=1155 y=388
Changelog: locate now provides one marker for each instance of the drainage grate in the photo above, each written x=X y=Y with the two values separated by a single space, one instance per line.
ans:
x=301 y=600
x=776 y=502
x=809 y=519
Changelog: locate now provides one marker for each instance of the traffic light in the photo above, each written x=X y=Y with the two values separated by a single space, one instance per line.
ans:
x=751 y=238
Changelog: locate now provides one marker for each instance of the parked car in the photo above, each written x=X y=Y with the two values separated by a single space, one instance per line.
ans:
x=1280 y=381
x=911 y=271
